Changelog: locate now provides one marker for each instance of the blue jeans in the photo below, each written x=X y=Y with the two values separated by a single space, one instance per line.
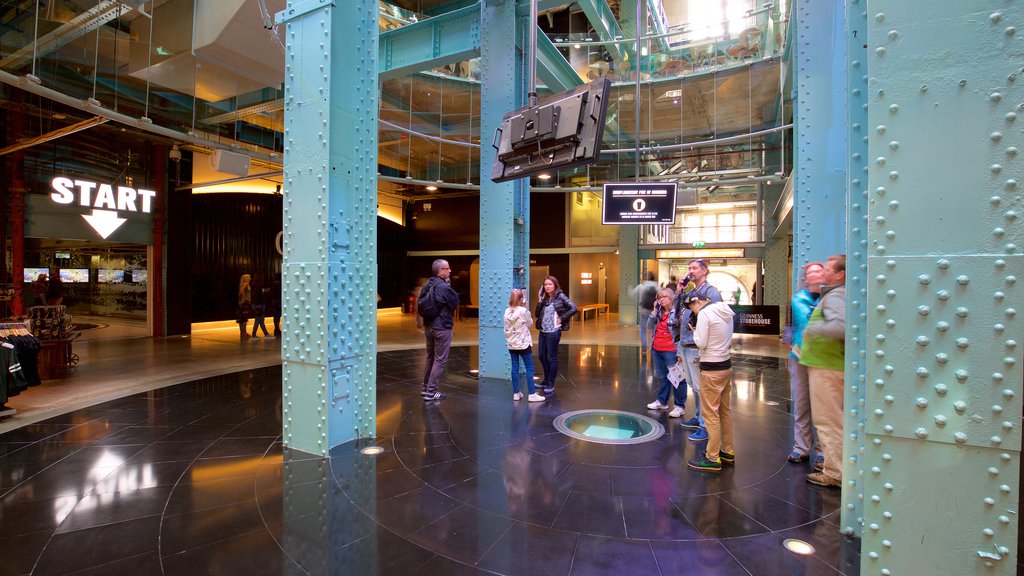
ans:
x=528 y=363
x=547 y=349
x=644 y=321
x=692 y=372
x=662 y=362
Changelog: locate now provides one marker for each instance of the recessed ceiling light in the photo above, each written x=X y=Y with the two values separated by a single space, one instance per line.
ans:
x=544 y=176
x=372 y=450
x=798 y=546
x=576 y=46
x=431 y=188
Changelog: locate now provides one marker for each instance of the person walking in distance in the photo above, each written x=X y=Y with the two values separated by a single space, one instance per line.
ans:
x=437 y=303
x=712 y=335
x=517 y=321
x=244 y=304
x=694 y=284
x=823 y=355
x=553 y=311
x=646 y=293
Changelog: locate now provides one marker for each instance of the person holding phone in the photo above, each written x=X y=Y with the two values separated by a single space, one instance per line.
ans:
x=553 y=311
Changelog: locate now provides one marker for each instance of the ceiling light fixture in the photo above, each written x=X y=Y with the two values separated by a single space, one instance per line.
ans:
x=431 y=188
x=372 y=450
x=544 y=176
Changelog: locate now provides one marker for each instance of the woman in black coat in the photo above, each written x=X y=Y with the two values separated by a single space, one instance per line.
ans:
x=553 y=311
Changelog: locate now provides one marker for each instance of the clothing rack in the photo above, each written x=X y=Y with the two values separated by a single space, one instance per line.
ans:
x=12 y=336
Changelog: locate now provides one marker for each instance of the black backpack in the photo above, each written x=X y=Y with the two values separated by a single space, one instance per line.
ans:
x=426 y=304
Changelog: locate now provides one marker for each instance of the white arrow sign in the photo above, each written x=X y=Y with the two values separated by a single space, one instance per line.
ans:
x=104 y=222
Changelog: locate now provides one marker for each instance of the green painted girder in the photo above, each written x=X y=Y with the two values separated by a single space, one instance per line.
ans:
x=605 y=25
x=552 y=68
x=445 y=39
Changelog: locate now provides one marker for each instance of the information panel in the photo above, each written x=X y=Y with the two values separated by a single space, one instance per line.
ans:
x=756 y=320
x=639 y=203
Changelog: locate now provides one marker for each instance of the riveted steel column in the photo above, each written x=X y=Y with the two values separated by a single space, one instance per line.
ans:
x=501 y=238
x=776 y=273
x=629 y=273
x=944 y=378
x=819 y=197
x=330 y=224
x=851 y=517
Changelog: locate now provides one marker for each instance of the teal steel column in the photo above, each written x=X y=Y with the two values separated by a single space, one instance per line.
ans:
x=851 y=517
x=942 y=460
x=629 y=274
x=330 y=223
x=501 y=238
x=819 y=207
x=776 y=274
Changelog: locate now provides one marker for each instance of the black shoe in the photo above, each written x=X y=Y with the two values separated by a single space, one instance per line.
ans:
x=435 y=396
x=549 y=389
x=727 y=457
x=702 y=463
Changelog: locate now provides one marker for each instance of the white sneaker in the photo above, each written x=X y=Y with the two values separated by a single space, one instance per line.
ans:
x=537 y=398
x=657 y=406
x=676 y=412
x=517 y=396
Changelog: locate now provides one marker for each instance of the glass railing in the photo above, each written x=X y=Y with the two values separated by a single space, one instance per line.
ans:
x=676 y=53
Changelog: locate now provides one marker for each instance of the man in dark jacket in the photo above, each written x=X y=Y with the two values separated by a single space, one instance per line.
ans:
x=437 y=327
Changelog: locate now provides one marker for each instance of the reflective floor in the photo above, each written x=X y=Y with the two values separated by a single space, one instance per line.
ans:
x=193 y=479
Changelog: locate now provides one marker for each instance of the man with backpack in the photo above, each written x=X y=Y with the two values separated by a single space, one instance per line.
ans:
x=437 y=303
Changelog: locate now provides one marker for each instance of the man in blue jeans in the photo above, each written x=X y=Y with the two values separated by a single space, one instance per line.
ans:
x=438 y=302
x=695 y=284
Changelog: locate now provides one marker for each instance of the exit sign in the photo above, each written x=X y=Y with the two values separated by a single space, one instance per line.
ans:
x=698 y=244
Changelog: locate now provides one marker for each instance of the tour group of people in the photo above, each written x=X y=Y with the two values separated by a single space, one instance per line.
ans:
x=690 y=346
x=437 y=303
x=688 y=331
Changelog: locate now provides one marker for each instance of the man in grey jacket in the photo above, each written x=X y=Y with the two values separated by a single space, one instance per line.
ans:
x=437 y=329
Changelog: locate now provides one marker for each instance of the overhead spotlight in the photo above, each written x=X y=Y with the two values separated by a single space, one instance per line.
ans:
x=431 y=188
x=544 y=176
x=174 y=153
x=372 y=450
x=576 y=46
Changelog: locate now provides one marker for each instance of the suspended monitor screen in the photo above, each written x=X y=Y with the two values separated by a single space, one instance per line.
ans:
x=561 y=131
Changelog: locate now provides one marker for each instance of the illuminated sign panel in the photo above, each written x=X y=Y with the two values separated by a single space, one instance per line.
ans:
x=639 y=203
x=106 y=201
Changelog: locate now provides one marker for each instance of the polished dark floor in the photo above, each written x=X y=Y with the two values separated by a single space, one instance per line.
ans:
x=193 y=479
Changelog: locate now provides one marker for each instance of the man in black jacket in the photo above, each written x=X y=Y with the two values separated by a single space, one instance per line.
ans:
x=441 y=300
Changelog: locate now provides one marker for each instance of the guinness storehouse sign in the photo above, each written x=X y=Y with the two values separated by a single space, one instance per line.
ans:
x=106 y=201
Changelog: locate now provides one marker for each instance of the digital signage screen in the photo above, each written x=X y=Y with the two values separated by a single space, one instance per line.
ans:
x=32 y=274
x=74 y=275
x=109 y=276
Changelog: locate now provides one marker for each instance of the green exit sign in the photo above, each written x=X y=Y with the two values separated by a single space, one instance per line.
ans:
x=698 y=244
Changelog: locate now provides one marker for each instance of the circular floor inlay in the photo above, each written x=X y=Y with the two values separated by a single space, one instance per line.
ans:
x=609 y=426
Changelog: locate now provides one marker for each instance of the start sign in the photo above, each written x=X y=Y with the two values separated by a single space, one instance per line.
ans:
x=106 y=200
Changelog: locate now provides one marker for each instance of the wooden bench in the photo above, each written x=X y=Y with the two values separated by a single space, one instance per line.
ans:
x=597 y=308
x=460 y=312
